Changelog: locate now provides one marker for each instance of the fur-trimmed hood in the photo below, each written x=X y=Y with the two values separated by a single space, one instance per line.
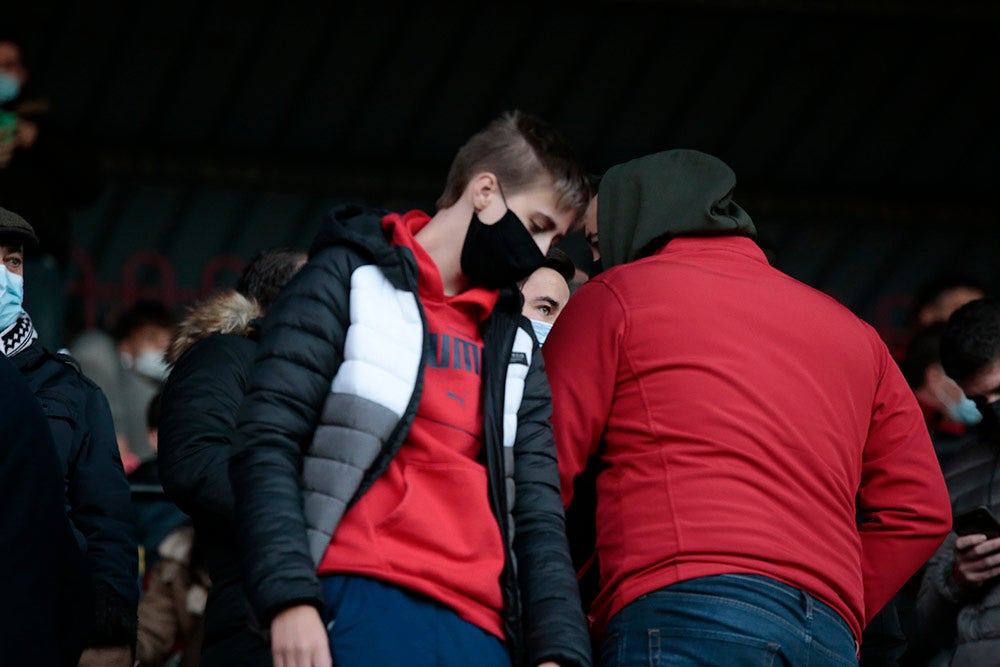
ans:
x=226 y=312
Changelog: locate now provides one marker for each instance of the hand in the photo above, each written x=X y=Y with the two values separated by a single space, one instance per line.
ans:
x=976 y=560
x=114 y=656
x=299 y=639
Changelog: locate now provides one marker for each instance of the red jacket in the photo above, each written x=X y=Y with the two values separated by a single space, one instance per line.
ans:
x=750 y=424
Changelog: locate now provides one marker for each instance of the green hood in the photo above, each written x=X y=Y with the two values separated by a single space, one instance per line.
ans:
x=644 y=203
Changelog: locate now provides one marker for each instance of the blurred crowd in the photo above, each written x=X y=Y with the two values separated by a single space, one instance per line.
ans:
x=361 y=437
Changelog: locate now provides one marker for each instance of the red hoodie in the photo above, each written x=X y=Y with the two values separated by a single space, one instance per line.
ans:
x=426 y=523
x=743 y=415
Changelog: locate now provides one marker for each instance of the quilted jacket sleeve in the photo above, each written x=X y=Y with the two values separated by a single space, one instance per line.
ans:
x=300 y=349
x=200 y=402
x=553 y=621
x=101 y=509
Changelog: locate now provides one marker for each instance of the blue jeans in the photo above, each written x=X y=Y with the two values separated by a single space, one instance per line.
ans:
x=730 y=620
x=372 y=623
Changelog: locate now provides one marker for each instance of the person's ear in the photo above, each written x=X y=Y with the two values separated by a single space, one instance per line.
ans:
x=483 y=187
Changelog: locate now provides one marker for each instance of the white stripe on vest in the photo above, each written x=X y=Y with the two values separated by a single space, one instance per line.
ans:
x=517 y=371
x=384 y=342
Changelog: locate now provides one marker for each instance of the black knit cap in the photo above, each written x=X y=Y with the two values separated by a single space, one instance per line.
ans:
x=13 y=226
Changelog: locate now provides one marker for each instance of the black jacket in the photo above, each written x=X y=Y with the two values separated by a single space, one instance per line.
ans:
x=197 y=425
x=302 y=349
x=47 y=588
x=948 y=615
x=98 y=500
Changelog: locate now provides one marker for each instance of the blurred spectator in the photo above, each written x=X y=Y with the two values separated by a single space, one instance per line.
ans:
x=97 y=493
x=171 y=611
x=44 y=175
x=959 y=600
x=951 y=418
x=212 y=352
x=546 y=292
x=48 y=595
x=949 y=413
x=941 y=296
x=130 y=367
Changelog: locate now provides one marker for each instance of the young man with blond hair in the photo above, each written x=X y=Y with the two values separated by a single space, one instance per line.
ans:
x=396 y=482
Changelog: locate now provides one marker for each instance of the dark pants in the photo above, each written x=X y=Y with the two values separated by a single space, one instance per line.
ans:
x=730 y=620
x=372 y=623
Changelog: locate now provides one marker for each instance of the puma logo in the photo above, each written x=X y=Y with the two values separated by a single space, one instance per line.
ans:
x=460 y=399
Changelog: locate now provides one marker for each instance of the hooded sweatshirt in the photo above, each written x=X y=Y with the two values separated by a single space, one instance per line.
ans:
x=744 y=421
x=669 y=194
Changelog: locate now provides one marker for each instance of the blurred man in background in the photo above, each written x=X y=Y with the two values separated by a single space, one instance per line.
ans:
x=959 y=600
x=130 y=366
x=97 y=493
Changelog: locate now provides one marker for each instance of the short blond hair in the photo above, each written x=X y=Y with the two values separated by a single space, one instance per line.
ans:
x=524 y=152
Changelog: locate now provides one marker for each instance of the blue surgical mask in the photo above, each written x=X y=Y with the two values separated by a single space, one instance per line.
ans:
x=152 y=364
x=11 y=297
x=965 y=412
x=10 y=87
x=542 y=330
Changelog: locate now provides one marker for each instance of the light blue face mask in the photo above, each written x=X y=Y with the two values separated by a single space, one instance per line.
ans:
x=11 y=297
x=10 y=87
x=965 y=412
x=152 y=365
x=542 y=330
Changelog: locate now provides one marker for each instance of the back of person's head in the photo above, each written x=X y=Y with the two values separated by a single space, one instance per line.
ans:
x=267 y=272
x=922 y=352
x=645 y=202
x=523 y=152
x=144 y=313
x=942 y=295
x=971 y=339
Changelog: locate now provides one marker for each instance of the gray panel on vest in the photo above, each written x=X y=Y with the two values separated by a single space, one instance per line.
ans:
x=333 y=478
x=318 y=542
x=350 y=447
x=321 y=511
x=359 y=413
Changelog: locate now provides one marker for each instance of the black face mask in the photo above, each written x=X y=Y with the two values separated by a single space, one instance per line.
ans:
x=499 y=255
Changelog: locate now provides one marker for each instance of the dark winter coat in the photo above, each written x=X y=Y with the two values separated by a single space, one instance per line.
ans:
x=47 y=589
x=211 y=353
x=948 y=615
x=98 y=500
x=306 y=452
